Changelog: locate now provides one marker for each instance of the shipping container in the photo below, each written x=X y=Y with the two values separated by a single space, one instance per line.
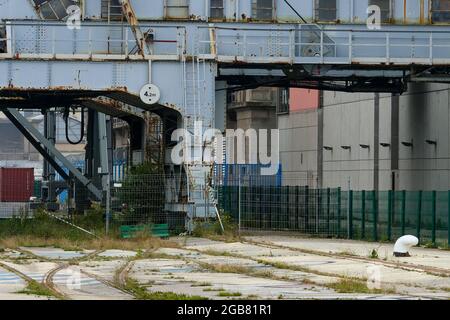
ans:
x=16 y=184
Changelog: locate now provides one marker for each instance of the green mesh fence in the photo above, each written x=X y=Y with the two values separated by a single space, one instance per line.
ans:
x=367 y=215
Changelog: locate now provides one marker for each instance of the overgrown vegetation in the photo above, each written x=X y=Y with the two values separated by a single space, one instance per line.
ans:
x=226 y=268
x=35 y=288
x=373 y=254
x=142 y=195
x=141 y=293
x=213 y=230
x=350 y=285
x=45 y=230
x=44 y=226
x=229 y=294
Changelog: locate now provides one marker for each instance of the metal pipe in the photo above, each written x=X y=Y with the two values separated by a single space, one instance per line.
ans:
x=67 y=119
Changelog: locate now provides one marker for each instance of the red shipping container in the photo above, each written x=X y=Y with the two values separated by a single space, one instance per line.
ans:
x=16 y=184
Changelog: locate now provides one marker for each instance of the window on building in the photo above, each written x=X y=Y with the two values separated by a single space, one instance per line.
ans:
x=2 y=39
x=326 y=10
x=112 y=10
x=283 y=101
x=216 y=9
x=54 y=9
x=440 y=10
x=385 y=6
x=262 y=9
x=177 y=9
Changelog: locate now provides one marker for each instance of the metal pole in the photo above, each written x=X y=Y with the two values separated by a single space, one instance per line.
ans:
x=339 y=212
x=433 y=221
x=403 y=211
x=239 y=205
x=108 y=204
x=363 y=214
x=375 y=215
x=419 y=214
x=349 y=195
x=448 y=218
x=328 y=211
x=389 y=229
x=350 y=214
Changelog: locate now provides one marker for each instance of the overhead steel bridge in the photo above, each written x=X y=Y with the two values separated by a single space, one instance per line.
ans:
x=103 y=66
x=349 y=58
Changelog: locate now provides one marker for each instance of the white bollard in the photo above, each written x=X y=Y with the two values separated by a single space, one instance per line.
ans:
x=403 y=244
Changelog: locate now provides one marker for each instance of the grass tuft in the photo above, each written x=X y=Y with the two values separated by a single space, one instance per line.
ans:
x=348 y=285
x=141 y=293
x=35 y=288
x=229 y=294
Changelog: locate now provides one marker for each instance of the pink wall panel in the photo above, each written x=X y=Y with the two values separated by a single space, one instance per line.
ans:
x=303 y=99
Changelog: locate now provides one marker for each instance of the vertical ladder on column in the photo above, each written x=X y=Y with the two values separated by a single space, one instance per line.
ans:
x=198 y=172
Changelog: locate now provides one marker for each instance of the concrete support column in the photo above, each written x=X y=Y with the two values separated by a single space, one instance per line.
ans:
x=320 y=142
x=49 y=172
x=376 y=142
x=254 y=117
x=395 y=118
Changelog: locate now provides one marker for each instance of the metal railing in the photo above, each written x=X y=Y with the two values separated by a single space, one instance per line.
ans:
x=54 y=40
x=311 y=44
x=287 y=44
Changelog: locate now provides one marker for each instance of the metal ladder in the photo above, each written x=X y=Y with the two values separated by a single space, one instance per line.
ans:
x=201 y=194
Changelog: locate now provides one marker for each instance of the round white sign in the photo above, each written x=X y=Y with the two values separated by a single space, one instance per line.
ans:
x=150 y=94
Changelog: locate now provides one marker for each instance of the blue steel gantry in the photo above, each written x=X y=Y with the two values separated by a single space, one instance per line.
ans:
x=102 y=66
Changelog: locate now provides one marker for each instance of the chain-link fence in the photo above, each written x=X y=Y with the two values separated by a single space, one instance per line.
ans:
x=148 y=199
x=368 y=215
x=275 y=203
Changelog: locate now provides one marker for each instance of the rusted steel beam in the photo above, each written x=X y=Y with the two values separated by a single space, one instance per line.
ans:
x=35 y=143
x=128 y=11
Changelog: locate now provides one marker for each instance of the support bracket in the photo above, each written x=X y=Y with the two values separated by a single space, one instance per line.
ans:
x=41 y=143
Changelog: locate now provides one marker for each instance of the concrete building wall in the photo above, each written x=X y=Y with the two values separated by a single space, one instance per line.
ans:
x=349 y=135
x=424 y=114
x=298 y=147
x=411 y=153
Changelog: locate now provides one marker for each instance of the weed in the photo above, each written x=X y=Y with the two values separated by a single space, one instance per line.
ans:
x=104 y=243
x=373 y=254
x=141 y=293
x=225 y=268
x=35 y=288
x=201 y=284
x=430 y=245
x=285 y=266
x=349 y=285
x=214 y=231
x=229 y=294
x=213 y=289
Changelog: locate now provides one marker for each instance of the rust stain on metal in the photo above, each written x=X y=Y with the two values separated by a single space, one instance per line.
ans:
x=134 y=24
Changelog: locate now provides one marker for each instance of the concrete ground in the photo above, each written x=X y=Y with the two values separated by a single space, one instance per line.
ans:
x=257 y=267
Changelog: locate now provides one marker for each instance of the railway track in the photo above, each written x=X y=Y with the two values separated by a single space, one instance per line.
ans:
x=428 y=293
x=23 y=276
x=49 y=283
x=63 y=264
x=398 y=265
x=123 y=274
x=29 y=280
